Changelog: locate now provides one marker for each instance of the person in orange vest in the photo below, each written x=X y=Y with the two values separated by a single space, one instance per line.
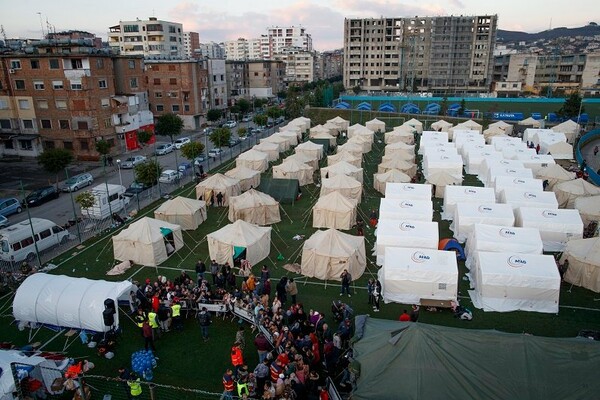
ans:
x=228 y=385
x=237 y=358
x=276 y=369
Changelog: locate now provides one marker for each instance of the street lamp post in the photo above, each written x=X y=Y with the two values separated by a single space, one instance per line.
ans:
x=120 y=177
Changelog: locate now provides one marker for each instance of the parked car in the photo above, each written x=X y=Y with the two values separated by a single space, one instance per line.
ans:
x=199 y=160
x=247 y=118
x=76 y=182
x=170 y=176
x=10 y=206
x=132 y=162
x=230 y=124
x=279 y=120
x=41 y=196
x=214 y=153
x=136 y=188
x=208 y=130
x=181 y=141
x=234 y=141
x=3 y=221
x=164 y=148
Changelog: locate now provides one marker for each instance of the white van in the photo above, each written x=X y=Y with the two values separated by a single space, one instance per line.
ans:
x=17 y=242
x=101 y=209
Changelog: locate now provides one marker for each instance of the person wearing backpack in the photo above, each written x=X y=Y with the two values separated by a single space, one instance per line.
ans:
x=204 y=320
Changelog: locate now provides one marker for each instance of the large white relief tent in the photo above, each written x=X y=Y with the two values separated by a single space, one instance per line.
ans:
x=409 y=275
x=504 y=182
x=68 y=302
x=405 y=233
x=505 y=282
x=465 y=194
x=239 y=239
x=408 y=191
x=395 y=209
x=556 y=226
x=466 y=215
x=519 y=197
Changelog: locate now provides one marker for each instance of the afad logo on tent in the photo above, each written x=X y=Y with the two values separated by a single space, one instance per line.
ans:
x=485 y=209
x=529 y=195
x=511 y=171
x=406 y=204
x=504 y=232
x=516 y=261
x=420 y=257
x=549 y=214
x=405 y=226
x=470 y=191
x=519 y=181
x=409 y=187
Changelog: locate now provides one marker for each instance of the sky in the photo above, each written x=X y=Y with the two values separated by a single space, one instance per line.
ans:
x=220 y=20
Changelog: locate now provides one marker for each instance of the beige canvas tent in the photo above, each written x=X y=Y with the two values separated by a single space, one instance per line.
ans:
x=183 y=211
x=354 y=129
x=503 y=126
x=530 y=122
x=248 y=178
x=584 y=263
x=441 y=179
x=318 y=129
x=326 y=254
x=405 y=135
x=561 y=151
x=334 y=211
x=364 y=134
x=441 y=126
x=353 y=148
x=554 y=174
x=291 y=137
x=415 y=123
x=570 y=128
x=239 y=239
x=147 y=241
x=323 y=135
x=254 y=207
x=375 y=125
x=271 y=149
x=392 y=175
x=302 y=122
x=347 y=186
x=342 y=168
x=404 y=155
x=217 y=183
x=310 y=149
x=298 y=130
x=332 y=128
x=362 y=141
x=253 y=159
x=345 y=156
x=589 y=208
x=292 y=169
x=567 y=192
x=283 y=143
x=399 y=146
x=491 y=132
x=303 y=158
x=407 y=167
x=340 y=122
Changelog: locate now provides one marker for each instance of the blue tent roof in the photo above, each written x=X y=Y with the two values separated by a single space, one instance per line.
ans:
x=364 y=106
x=387 y=107
x=342 y=105
x=410 y=108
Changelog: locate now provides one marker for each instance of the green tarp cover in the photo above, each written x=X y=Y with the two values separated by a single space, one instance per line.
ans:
x=434 y=362
x=324 y=142
x=283 y=190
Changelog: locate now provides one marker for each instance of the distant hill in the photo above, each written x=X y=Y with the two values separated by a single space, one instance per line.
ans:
x=515 y=36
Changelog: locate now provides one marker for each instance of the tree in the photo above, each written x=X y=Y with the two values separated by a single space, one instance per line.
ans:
x=571 y=106
x=444 y=106
x=192 y=150
x=463 y=107
x=55 y=161
x=220 y=137
x=169 y=125
x=214 y=115
x=86 y=200
x=356 y=89
x=234 y=109
x=103 y=148
x=260 y=119
x=242 y=131
x=148 y=172
x=144 y=136
x=244 y=106
x=273 y=112
x=294 y=106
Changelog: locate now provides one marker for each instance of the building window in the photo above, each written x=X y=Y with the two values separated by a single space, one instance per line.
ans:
x=5 y=124
x=105 y=103
x=172 y=68
x=54 y=64
x=102 y=84
x=82 y=125
x=15 y=64
x=38 y=85
x=100 y=63
x=173 y=94
x=84 y=145
x=8 y=144
x=27 y=124
x=76 y=86
x=131 y=64
x=3 y=104
x=19 y=84
x=64 y=124
x=35 y=64
x=172 y=81
x=160 y=107
x=133 y=83
x=156 y=81
x=175 y=107
x=76 y=63
x=68 y=145
x=48 y=144
x=42 y=104
x=46 y=123
x=107 y=123
x=58 y=85
x=186 y=107
x=24 y=104
x=158 y=95
x=25 y=145
x=61 y=104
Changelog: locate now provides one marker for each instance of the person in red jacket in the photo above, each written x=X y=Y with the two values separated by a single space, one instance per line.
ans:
x=228 y=385
x=276 y=369
x=404 y=317
x=237 y=358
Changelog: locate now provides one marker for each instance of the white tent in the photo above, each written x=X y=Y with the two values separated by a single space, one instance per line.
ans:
x=292 y=169
x=411 y=275
x=470 y=125
x=439 y=150
x=254 y=207
x=302 y=122
x=408 y=191
x=347 y=186
x=344 y=156
x=147 y=241
x=233 y=240
x=554 y=174
x=393 y=176
x=561 y=151
x=399 y=146
x=434 y=136
x=496 y=171
x=183 y=211
x=248 y=178
x=522 y=197
x=474 y=158
x=567 y=192
x=405 y=233
x=404 y=155
x=342 y=168
x=500 y=142
x=441 y=126
x=426 y=146
x=407 y=167
x=506 y=127
x=326 y=254
x=584 y=263
x=463 y=138
x=318 y=129
x=334 y=211
x=397 y=209
x=340 y=122
x=332 y=128
x=310 y=149
x=518 y=152
x=570 y=128
x=304 y=159
x=362 y=141
x=588 y=207
x=462 y=127
x=291 y=137
x=441 y=179
x=375 y=125
x=253 y=159
x=547 y=138
x=499 y=239
x=355 y=149
x=415 y=124
x=556 y=227
x=505 y=282
x=488 y=164
x=323 y=135
x=354 y=129
x=67 y=302
x=489 y=133
x=44 y=370
x=297 y=129
x=466 y=215
x=452 y=163
x=536 y=161
x=365 y=135
x=530 y=122
x=283 y=143
x=503 y=182
x=465 y=194
x=404 y=135
x=208 y=189
x=531 y=134
x=271 y=149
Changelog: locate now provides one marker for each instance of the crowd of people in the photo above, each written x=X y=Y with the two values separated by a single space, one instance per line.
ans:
x=297 y=349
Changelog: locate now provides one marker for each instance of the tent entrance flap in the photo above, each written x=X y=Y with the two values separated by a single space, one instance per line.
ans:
x=165 y=231
x=238 y=252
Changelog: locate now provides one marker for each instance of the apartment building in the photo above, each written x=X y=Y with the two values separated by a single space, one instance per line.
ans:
x=435 y=54
x=331 y=64
x=150 y=38
x=281 y=38
x=191 y=44
x=299 y=65
x=212 y=50
x=68 y=95
x=179 y=87
x=265 y=78
x=236 y=50
x=217 y=82
x=237 y=80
